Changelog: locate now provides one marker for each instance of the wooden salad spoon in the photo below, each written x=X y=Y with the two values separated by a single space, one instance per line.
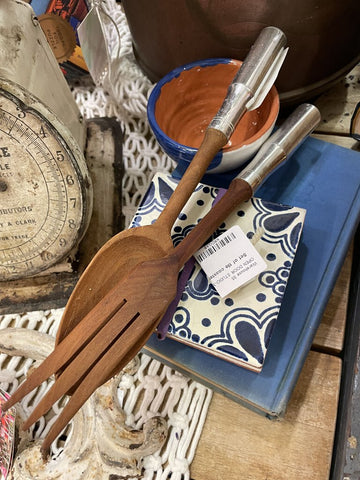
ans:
x=129 y=247
x=120 y=324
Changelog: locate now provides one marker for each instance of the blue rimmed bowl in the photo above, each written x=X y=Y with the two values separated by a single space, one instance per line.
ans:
x=182 y=104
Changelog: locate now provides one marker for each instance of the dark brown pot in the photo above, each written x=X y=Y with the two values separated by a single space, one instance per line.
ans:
x=323 y=36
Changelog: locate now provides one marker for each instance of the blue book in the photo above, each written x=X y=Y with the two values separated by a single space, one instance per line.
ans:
x=323 y=179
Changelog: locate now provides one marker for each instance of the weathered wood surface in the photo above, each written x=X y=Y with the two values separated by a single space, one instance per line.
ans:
x=38 y=293
x=104 y=160
x=237 y=443
x=330 y=335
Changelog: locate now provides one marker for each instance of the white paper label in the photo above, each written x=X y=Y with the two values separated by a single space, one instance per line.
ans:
x=230 y=261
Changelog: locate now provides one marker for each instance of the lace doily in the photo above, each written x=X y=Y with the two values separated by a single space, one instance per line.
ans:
x=153 y=389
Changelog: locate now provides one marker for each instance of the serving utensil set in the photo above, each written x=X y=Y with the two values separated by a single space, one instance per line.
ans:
x=104 y=328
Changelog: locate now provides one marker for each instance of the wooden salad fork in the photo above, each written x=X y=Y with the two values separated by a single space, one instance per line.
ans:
x=113 y=332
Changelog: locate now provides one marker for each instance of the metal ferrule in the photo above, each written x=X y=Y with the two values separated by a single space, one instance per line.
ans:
x=256 y=172
x=249 y=79
x=232 y=109
x=281 y=144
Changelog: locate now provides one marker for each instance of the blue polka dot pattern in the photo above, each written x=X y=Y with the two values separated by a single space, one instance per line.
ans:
x=239 y=326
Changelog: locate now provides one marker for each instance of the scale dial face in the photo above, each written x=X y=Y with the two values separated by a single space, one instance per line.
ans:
x=45 y=189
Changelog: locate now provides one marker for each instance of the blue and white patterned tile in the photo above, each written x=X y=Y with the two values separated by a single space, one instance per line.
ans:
x=237 y=327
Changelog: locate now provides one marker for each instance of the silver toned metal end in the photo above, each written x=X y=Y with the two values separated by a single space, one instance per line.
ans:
x=232 y=109
x=254 y=79
x=281 y=144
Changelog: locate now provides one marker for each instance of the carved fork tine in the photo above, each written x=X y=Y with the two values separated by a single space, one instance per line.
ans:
x=114 y=359
x=67 y=349
x=82 y=363
x=117 y=339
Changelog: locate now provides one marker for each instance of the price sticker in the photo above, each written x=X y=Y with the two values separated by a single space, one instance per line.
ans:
x=230 y=261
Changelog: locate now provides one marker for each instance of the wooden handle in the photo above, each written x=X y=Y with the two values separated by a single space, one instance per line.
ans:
x=238 y=192
x=272 y=154
x=213 y=141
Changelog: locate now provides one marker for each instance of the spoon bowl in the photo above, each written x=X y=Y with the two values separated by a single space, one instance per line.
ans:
x=112 y=262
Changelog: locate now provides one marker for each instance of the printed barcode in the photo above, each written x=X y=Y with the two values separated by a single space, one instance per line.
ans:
x=218 y=244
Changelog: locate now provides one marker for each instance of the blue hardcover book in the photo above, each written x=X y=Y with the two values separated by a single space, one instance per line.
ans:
x=323 y=179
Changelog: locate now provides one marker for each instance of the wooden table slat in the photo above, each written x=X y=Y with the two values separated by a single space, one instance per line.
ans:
x=330 y=335
x=239 y=444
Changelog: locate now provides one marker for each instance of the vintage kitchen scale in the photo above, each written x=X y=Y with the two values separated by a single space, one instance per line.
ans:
x=50 y=180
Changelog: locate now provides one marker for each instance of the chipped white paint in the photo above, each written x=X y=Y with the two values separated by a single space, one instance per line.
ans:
x=99 y=444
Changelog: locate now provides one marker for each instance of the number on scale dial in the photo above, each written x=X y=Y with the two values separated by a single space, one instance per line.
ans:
x=45 y=190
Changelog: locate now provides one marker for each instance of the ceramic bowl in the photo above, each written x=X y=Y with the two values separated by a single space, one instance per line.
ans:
x=182 y=104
